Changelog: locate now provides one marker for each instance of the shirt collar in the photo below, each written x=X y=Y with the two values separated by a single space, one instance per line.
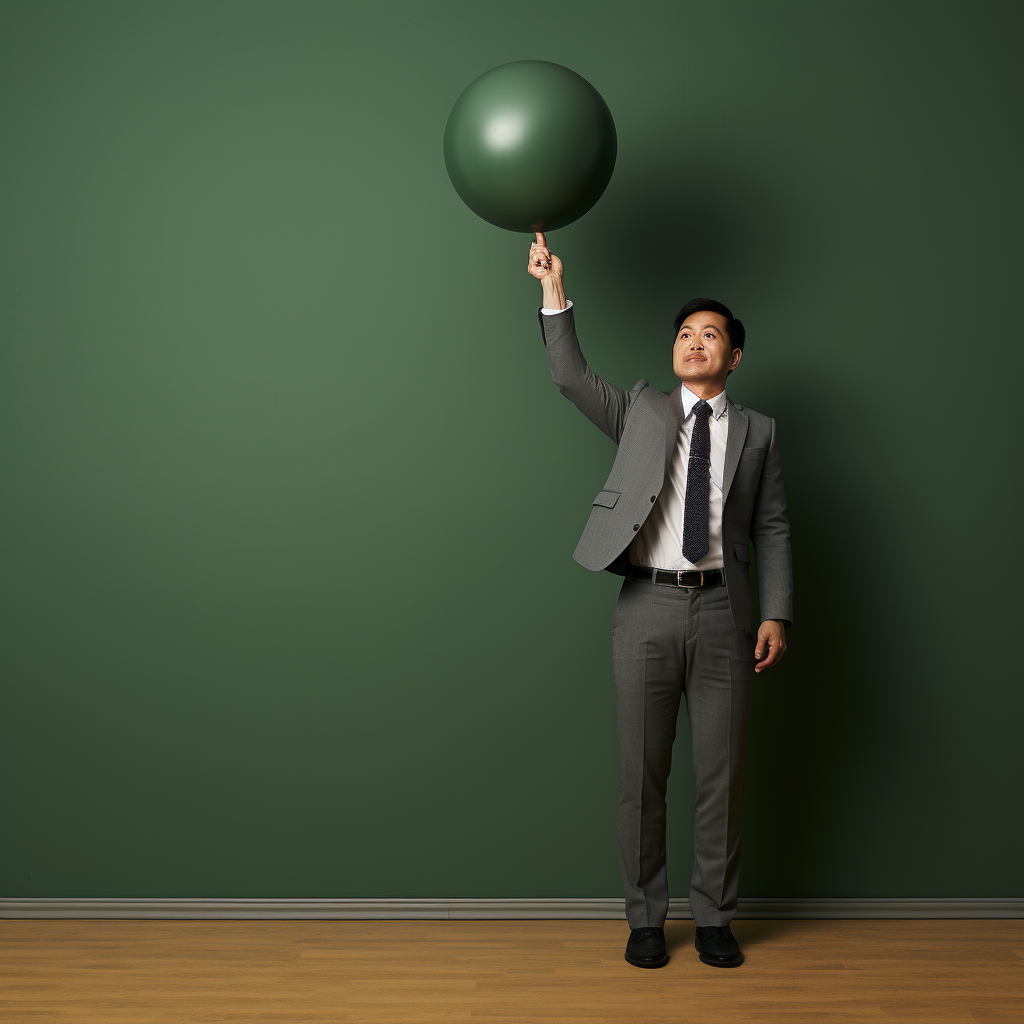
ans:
x=689 y=399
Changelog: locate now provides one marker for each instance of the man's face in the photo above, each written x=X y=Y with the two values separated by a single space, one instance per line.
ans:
x=702 y=351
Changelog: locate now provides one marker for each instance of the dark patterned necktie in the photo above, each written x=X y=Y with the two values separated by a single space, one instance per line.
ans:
x=698 y=486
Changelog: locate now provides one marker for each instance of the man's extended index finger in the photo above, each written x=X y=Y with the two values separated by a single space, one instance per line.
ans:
x=541 y=240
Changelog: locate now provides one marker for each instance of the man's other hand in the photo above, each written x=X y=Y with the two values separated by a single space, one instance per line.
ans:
x=771 y=644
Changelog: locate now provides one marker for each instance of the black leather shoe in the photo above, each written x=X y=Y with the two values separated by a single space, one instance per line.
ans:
x=646 y=947
x=717 y=946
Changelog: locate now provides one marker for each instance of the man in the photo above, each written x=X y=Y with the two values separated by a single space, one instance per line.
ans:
x=695 y=478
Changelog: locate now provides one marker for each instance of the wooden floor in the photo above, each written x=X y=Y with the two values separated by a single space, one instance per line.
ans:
x=136 y=972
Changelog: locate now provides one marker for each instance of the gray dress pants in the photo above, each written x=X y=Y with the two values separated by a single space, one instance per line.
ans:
x=670 y=642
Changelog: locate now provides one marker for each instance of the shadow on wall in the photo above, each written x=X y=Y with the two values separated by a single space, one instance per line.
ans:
x=811 y=711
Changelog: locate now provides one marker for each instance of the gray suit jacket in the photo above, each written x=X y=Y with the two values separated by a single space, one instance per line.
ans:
x=644 y=423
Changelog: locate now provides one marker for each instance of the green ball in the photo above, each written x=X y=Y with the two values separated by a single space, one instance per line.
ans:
x=530 y=146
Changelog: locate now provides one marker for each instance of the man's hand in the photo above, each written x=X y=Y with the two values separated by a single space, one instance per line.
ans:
x=547 y=268
x=543 y=262
x=771 y=644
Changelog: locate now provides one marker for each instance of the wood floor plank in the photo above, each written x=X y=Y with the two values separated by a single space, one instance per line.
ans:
x=499 y=972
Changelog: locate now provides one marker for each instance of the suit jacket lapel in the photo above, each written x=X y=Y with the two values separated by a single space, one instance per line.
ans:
x=673 y=421
x=734 y=444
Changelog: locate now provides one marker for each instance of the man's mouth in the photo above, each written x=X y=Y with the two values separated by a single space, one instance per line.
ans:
x=692 y=358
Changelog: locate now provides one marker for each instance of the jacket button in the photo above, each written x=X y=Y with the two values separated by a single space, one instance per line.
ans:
x=636 y=526
x=654 y=497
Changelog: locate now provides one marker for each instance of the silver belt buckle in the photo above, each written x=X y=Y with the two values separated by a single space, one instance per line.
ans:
x=688 y=586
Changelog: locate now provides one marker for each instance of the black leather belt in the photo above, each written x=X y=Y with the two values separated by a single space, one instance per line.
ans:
x=678 y=577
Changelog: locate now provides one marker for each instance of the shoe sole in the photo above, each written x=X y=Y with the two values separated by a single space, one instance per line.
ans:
x=716 y=963
x=647 y=963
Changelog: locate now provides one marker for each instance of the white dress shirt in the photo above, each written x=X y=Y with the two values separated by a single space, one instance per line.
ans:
x=660 y=540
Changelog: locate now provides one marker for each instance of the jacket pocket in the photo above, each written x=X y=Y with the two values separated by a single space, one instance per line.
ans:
x=607 y=498
x=742 y=551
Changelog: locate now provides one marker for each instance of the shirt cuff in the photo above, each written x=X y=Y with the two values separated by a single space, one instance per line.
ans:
x=549 y=312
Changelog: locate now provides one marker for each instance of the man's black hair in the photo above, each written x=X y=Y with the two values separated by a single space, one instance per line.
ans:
x=733 y=327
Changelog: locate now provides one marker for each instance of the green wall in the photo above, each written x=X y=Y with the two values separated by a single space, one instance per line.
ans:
x=289 y=496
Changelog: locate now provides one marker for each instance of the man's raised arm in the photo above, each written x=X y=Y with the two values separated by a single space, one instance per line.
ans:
x=602 y=403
